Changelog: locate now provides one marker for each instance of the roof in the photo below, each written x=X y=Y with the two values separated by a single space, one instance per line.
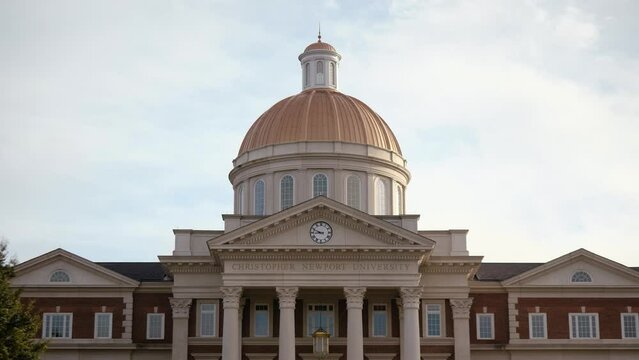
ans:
x=319 y=45
x=140 y=271
x=320 y=115
x=502 y=271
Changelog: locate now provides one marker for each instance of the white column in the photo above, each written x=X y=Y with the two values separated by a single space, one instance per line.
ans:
x=287 y=297
x=231 y=328
x=355 y=332
x=180 y=348
x=461 y=325
x=410 y=304
x=400 y=310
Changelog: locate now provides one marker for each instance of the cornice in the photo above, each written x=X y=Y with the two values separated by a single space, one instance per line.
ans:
x=319 y=255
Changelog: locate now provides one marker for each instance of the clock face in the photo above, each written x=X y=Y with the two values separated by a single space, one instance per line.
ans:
x=321 y=232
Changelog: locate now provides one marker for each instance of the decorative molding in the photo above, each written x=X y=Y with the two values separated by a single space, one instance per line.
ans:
x=287 y=296
x=354 y=297
x=320 y=254
x=192 y=267
x=180 y=307
x=231 y=296
x=461 y=308
x=410 y=297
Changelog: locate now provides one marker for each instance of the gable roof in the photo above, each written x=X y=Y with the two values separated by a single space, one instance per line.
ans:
x=255 y=231
x=502 y=271
x=140 y=271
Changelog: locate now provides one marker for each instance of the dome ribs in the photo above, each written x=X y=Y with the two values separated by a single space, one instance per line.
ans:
x=320 y=115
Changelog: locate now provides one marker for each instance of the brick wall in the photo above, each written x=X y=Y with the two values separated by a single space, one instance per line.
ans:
x=496 y=304
x=557 y=310
x=83 y=310
x=144 y=303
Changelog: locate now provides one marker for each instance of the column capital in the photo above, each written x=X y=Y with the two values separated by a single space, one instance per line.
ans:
x=180 y=307
x=231 y=296
x=354 y=297
x=410 y=297
x=461 y=308
x=287 y=296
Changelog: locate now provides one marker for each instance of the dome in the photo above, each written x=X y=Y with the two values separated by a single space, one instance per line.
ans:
x=320 y=115
x=319 y=45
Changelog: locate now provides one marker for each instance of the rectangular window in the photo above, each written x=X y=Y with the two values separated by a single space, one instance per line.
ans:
x=537 y=325
x=485 y=326
x=57 y=325
x=433 y=320
x=103 y=325
x=261 y=320
x=629 y=325
x=380 y=320
x=584 y=326
x=208 y=314
x=320 y=315
x=155 y=326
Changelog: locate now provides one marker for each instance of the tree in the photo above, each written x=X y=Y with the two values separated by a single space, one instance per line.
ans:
x=18 y=323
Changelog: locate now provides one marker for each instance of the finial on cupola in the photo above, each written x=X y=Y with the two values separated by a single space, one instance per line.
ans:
x=319 y=32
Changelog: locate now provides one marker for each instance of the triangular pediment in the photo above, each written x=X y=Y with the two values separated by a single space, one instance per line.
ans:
x=352 y=229
x=81 y=272
x=559 y=272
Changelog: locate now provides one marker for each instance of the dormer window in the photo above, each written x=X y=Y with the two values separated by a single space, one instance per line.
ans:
x=580 y=276
x=59 y=276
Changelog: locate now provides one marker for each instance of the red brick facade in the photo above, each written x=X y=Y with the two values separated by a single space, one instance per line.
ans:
x=496 y=304
x=145 y=303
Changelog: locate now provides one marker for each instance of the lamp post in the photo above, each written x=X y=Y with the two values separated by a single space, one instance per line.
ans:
x=320 y=343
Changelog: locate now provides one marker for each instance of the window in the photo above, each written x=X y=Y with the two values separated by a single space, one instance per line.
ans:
x=629 y=326
x=307 y=74
x=331 y=73
x=580 y=277
x=433 y=320
x=59 y=276
x=57 y=325
x=353 y=191
x=286 y=192
x=261 y=320
x=103 y=325
x=485 y=326
x=584 y=326
x=398 y=201
x=320 y=315
x=380 y=197
x=380 y=320
x=259 y=197
x=155 y=326
x=537 y=326
x=320 y=73
x=208 y=314
x=320 y=185
x=240 y=199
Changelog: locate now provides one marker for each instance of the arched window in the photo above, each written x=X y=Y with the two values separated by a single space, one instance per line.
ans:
x=581 y=277
x=380 y=197
x=320 y=185
x=259 y=197
x=399 y=201
x=320 y=72
x=331 y=73
x=59 y=276
x=353 y=191
x=286 y=192
x=307 y=74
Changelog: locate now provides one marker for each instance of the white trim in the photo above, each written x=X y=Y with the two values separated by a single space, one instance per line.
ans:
x=530 y=326
x=596 y=319
x=95 y=325
x=636 y=316
x=199 y=323
x=372 y=320
x=442 y=320
x=44 y=325
x=148 y=328
x=492 y=326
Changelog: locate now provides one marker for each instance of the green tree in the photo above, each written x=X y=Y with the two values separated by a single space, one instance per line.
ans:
x=18 y=323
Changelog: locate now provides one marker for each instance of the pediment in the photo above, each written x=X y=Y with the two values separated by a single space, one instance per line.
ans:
x=603 y=272
x=82 y=272
x=352 y=229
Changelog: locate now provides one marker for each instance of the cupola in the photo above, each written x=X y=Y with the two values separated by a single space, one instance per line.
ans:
x=320 y=64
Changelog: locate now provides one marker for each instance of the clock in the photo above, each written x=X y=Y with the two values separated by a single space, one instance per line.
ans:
x=321 y=232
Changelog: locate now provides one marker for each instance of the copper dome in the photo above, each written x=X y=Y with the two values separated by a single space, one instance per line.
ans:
x=320 y=115
x=320 y=46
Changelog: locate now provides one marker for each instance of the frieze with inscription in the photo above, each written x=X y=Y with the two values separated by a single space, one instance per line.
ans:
x=319 y=267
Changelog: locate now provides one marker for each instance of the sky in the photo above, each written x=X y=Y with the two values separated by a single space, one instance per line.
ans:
x=519 y=119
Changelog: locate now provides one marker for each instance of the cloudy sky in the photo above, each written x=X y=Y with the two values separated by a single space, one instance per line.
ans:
x=519 y=119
